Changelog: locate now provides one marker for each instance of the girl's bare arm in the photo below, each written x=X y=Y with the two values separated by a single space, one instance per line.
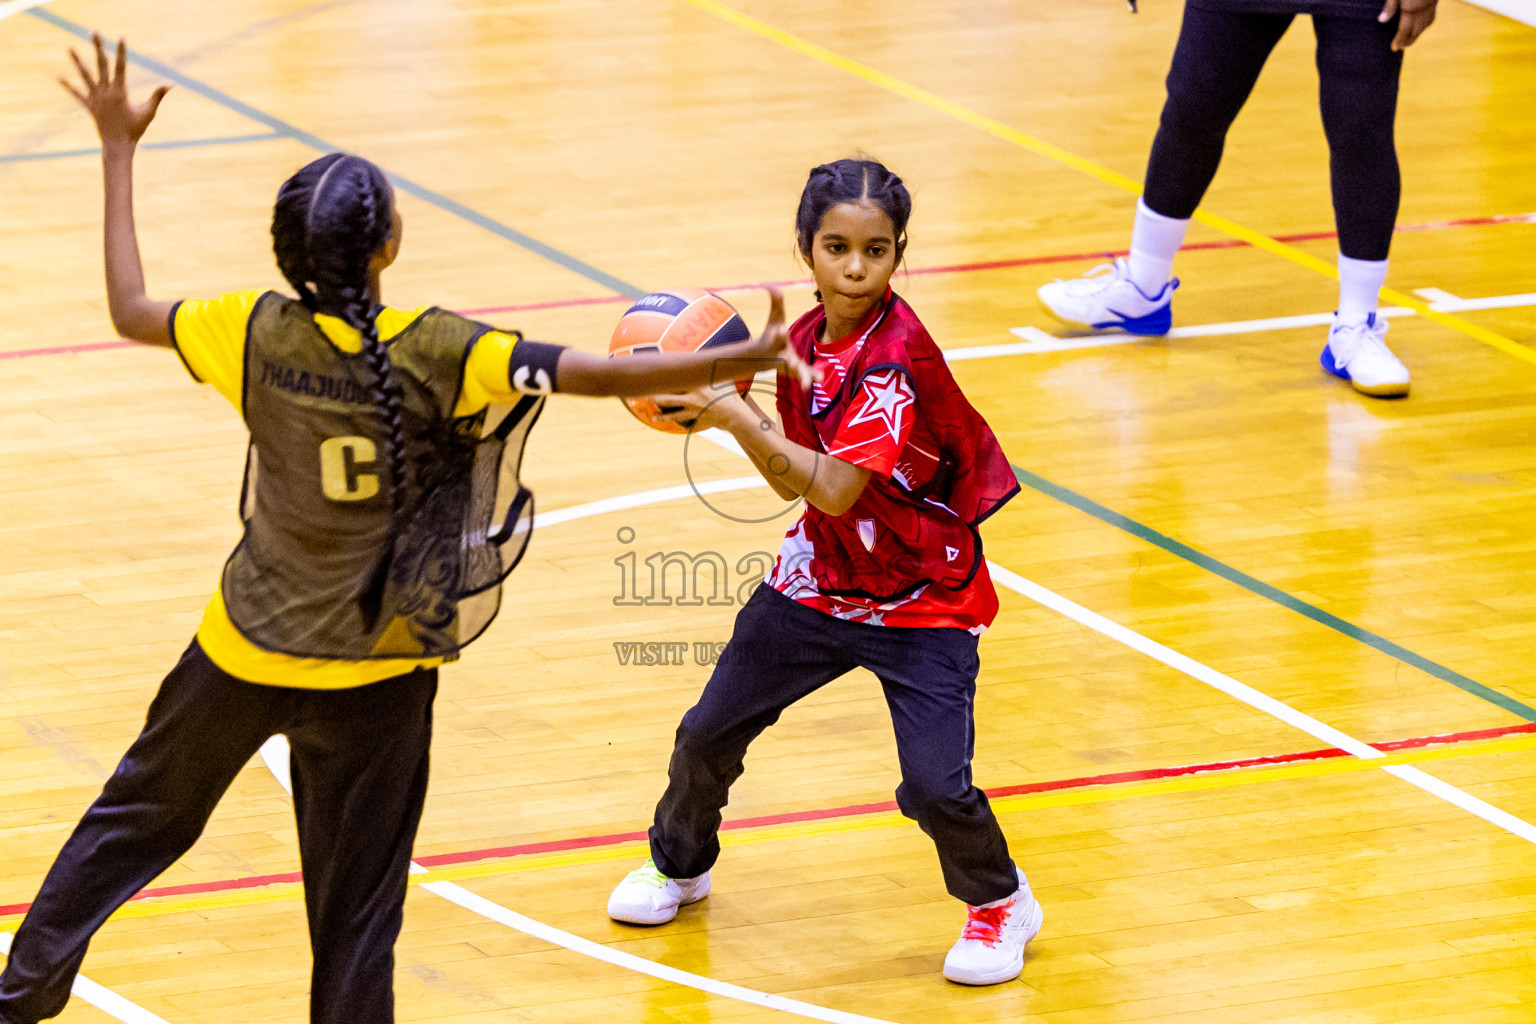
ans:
x=121 y=124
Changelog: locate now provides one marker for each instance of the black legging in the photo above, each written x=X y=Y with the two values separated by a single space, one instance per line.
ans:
x=1217 y=60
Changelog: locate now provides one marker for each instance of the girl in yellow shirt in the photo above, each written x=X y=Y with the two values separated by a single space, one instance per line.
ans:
x=376 y=540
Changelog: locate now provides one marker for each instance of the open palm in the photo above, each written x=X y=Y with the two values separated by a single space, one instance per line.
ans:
x=105 y=97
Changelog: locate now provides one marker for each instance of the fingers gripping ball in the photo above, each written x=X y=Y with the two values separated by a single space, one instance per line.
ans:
x=679 y=320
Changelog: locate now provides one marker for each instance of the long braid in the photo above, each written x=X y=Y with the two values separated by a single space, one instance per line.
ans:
x=386 y=393
x=330 y=220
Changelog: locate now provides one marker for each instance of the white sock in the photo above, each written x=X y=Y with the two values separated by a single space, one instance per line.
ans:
x=1360 y=284
x=1155 y=240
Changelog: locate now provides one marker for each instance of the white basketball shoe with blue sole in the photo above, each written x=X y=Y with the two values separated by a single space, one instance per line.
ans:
x=1357 y=351
x=1106 y=299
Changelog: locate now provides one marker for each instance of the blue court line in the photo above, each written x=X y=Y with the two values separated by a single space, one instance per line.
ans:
x=1025 y=477
x=1272 y=593
x=63 y=154
x=313 y=141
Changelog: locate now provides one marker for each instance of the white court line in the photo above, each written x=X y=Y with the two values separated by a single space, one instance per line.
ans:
x=1491 y=302
x=104 y=999
x=641 y=498
x=275 y=754
x=1261 y=701
x=1037 y=340
x=10 y=7
x=1520 y=10
x=496 y=912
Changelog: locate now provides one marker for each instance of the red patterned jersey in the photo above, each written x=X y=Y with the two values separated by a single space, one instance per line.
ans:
x=908 y=552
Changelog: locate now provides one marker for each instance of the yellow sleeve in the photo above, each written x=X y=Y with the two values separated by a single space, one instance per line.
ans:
x=502 y=368
x=209 y=334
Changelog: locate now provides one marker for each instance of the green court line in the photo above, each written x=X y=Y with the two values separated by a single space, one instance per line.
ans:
x=1024 y=477
x=1272 y=593
x=315 y=142
x=65 y=154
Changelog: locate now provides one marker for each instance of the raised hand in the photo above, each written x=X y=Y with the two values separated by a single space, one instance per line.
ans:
x=105 y=97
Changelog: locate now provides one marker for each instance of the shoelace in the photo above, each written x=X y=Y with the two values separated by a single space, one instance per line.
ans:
x=650 y=874
x=985 y=924
x=1361 y=336
x=1099 y=276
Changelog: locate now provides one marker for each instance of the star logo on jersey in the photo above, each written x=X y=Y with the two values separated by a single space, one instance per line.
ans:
x=885 y=399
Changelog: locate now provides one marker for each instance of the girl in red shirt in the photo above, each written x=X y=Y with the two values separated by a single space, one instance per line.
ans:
x=884 y=570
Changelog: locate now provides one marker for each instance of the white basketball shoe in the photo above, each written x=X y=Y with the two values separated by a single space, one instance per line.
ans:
x=1107 y=299
x=1357 y=351
x=646 y=896
x=991 y=946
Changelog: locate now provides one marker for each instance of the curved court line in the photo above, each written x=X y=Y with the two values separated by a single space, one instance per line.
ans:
x=1272 y=593
x=275 y=754
x=597 y=951
x=1002 y=131
x=402 y=183
x=99 y=996
x=275 y=751
x=455 y=865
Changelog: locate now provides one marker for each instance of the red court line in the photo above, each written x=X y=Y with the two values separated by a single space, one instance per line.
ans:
x=846 y=811
x=61 y=350
x=952 y=268
x=1030 y=261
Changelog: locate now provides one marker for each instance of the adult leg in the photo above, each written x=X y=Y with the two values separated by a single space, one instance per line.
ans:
x=1217 y=60
x=202 y=728
x=1357 y=89
x=929 y=678
x=779 y=651
x=1215 y=64
x=359 y=763
x=1358 y=76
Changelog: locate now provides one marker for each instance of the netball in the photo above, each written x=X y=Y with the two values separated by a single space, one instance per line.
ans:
x=679 y=320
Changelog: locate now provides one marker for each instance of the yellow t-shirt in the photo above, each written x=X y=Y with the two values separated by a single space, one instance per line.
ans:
x=209 y=334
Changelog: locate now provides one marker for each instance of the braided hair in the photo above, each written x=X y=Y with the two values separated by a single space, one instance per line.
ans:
x=331 y=218
x=852 y=180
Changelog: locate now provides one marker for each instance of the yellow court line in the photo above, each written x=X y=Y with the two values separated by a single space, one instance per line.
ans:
x=1219 y=779
x=1039 y=146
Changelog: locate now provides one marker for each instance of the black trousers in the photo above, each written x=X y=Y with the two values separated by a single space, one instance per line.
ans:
x=780 y=651
x=359 y=780
x=1215 y=64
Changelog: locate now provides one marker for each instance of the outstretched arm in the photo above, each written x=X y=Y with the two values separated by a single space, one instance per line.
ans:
x=121 y=124
x=581 y=373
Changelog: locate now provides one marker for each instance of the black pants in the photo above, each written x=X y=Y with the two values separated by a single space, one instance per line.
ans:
x=1215 y=64
x=359 y=780
x=780 y=651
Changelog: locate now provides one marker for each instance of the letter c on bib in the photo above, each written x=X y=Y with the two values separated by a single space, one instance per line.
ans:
x=340 y=459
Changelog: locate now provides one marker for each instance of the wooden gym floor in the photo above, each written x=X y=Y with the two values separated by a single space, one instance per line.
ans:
x=1222 y=558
